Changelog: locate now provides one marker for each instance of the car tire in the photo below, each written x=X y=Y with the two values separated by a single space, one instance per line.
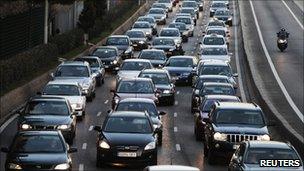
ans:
x=98 y=161
x=211 y=157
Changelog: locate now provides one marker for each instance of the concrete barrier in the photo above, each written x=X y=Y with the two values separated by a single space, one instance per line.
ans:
x=16 y=98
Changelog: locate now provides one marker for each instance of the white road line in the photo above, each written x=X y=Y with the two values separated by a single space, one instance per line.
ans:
x=294 y=16
x=81 y=167
x=177 y=92
x=176 y=103
x=91 y=128
x=236 y=49
x=7 y=123
x=275 y=73
x=178 y=147
x=106 y=101
x=84 y=146
x=175 y=114
x=175 y=129
x=98 y=114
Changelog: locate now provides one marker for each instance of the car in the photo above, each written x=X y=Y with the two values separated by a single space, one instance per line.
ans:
x=188 y=21
x=191 y=4
x=138 y=39
x=38 y=150
x=69 y=90
x=79 y=72
x=217 y=6
x=224 y=15
x=130 y=68
x=155 y=56
x=251 y=154
x=159 y=15
x=134 y=88
x=219 y=31
x=213 y=40
x=144 y=105
x=170 y=168
x=168 y=45
x=211 y=88
x=96 y=66
x=126 y=137
x=172 y=33
x=123 y=44
x=191 y=11
x=223 y=1
x=215 y=53
x=48 y=113
x=152 y=22
x=182 y=27
x=163 y=83
x=181 y=68
x=228 y=124
x=205 y=108
x=109 y=56
x=215 y=23
x=168 y=4
x=161 y=5
x=144 y=26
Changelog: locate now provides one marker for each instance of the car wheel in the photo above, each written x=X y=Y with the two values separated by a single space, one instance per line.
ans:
x=211 y=158
x=160 y=139
x=98 y=161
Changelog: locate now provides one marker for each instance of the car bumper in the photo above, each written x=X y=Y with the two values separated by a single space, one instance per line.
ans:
x=165 y=97
x=139 y=46
x=180 y=79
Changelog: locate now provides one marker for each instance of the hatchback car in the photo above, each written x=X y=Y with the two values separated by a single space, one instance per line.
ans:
x=130 y=68
x=168 y=45
x=145 y=27
x=215 y=23
x=168 y=3
x=138 y=39
x=155 y=56
x=126 y=137
x=219 y=31
x=191 y=4
x=159 y=15
x=123 y=44
x=109 y=56
x=160 y=5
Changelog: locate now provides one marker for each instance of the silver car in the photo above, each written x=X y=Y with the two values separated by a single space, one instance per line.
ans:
x=145 y=27
x=172 y=33
x=159 y=15
x=130 y=68
x=189 y=23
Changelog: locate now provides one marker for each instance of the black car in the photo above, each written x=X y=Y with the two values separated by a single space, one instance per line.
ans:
x=142 y=105
x=48 y=113
x=109 y=56
x=230 y=123
x=181 y=68
x=155 y=56
x=127 y=138
x=205 y=108
x=167 y=45
x=123 y=44
x=162 y=81
x=138 y=39
x=211 y=88
x=182 y=27
x=38 y=150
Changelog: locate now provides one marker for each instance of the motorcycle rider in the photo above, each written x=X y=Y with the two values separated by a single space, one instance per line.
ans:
x=282 y=34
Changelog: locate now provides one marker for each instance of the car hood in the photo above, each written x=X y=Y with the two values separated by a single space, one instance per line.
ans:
x=240 y=129
x=179 y=69
x=256 y=167
x=71 y=99
x=128 y=74
x=138 y=39
x=108 y=59
x=128 y=139
x=176 y=39
x=158 y=16
x=163 y=47
x=39 y=158
x=122 y=47
x=145 y=30
x=155 y=63
x=137 y=95
x=45 y=120
x=216 y=57
x=80 y=80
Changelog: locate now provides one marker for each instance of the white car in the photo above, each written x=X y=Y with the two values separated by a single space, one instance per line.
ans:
x=70 y=90
x=173 y=33
x=158 y=14
x=188 y=21
x=215 y=23
x=130 y=68
x=168 y=4
x=218 y=31
x=215 y=53
x=145 y=27
x=213 y=40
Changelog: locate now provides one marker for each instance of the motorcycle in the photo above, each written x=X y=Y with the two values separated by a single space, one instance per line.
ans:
x=282 y=44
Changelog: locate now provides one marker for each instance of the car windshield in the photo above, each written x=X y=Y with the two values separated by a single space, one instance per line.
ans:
x=141 y=25
x=254 y=155
x=157 y=78
x=180 y=62
x=214 y=41
x=63 y=90
x=214 y=51
x=105 y=53
x=117 y=41
x=216 y=70
x=93 y=62
x=201 y=81
x=216 y=23
x=189 y=4
x=147 y=19
x=178 y=26
x=184 y=20
x=138 y=106
x=128 y=124
x=207 y=104
x=220 y=12
x=135 y=34
x=217 y=89
x=135 y=66
x=72 y=71
x=153 y=55
x=156 y=11
x=219 y=5
x=38 y=144
x=169 y=42
x=239 y=116
x=218 y=32
x=170 y=33
x=135 y=87
x=47 y=108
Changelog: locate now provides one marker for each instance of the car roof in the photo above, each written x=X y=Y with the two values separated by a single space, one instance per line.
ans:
x=38 y=133
x=137 y=60
x=136 y=79
x=237 y=105
x=215 y=62
x=213 y=35
x=135 y=30
x=268 y=144
x=142 y=22
x=182 y=57
x=73 y=63
x=152 y=50
x=88 y=57
x=217 y=84
x=216 y=28
x=157 y=9
x=107 y=47
x=154 y=70
x=167 y=28
x=218 y=96
x=124 y=36
x=137 y=100
x=63 y=82
x=44 y=98
x=127 y=113
x=183 y=16
x=172 y=168
x=156 y=38
x=213 y=76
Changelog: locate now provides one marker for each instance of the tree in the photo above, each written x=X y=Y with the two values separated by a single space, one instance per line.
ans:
x=87 y=19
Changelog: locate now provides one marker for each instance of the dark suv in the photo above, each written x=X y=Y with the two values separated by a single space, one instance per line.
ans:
x=230 y=123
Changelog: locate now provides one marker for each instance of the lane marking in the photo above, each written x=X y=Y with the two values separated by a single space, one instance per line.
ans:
x=178 y=147
x=294 y=16
x=106 y=101
x=84 y=146
x=236 y=49
x=274 y=71
x=91 y=128
x=176 y=103
x=175 y=114
x=81 y=167
x=7 y=123
x=175 y=129
x=98 y=114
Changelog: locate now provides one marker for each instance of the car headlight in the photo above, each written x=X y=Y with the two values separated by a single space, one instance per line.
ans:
x=220 y=137
x=115 y=62
x=26 y=126
x=148 y=33
x=155 y=126
x=128 y=50
x=282 y=41
x=63 y=166
x=86 y=85
x=163 y=17
x=150 y=146
x=63 y=127
x=141 y=42
x=166 y=91
x=171 y=50
x=263 y=138
x=196 y=92
x=103 y=144
x=212 y=10
x=230 y=18
x=14 y=166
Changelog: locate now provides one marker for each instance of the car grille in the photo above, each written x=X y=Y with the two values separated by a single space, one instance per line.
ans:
x=222 y=18
x=235 y=138
x=37 y=166
x=41 y=127
x=127 y=148
x=106 y=62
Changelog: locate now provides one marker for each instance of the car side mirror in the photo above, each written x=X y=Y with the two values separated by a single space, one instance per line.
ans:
x=72 y=150
x=97 y=128
x=162 y=113
x=4 y=149
x=235 y=75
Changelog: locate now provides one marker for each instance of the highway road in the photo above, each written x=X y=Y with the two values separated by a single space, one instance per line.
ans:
x=179 y=144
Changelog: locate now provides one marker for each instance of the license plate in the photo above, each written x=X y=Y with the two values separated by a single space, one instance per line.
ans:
x=126 y=154
x=235 y=147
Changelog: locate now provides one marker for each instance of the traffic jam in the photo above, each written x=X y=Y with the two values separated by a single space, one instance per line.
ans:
x=121 y=102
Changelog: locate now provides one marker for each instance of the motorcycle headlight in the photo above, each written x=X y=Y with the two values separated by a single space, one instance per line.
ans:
x=103 y=144
x=220 y=137
x=166 y=91
x=116 y=100
x=63 y=127
x=26 y=126
x=150 y=146
x=196 y=92
x=263 y=138
x=14 y=166
x=282 y=41
x=63 y=166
